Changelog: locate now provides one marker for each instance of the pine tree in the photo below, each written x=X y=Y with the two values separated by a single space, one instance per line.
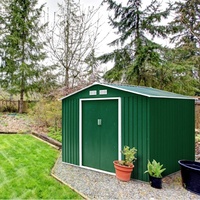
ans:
x=185 y=28
x=20 y=46
x=137 y=56
x=186 y=23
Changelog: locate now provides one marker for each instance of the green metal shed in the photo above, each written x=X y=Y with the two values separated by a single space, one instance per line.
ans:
x=100 y=119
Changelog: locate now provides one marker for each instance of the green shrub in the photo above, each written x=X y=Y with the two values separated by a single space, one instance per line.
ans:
x=9 y=108
x=47 y=113
x=31 y=104
x=55 y=133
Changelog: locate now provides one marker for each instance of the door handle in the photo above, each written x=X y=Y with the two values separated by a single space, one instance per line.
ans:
x=99 y=122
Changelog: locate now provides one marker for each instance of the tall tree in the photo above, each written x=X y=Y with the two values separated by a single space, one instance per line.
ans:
x=185 y=30
x=137 y=56
x=175 y=75
x=71 y=39
x=186 y=23
x=92 y=71
x=20 y=46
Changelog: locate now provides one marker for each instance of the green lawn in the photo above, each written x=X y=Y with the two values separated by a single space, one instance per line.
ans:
x=25 y=166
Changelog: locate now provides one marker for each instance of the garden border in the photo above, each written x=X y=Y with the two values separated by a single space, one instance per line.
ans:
x=63 y=182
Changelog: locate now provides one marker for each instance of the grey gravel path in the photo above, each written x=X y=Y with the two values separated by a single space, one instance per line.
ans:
x=96 y=185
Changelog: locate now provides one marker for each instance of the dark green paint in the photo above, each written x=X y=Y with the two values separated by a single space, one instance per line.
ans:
x=98 y=140
x=172 y=132
x=160 y=128
x=70 y=131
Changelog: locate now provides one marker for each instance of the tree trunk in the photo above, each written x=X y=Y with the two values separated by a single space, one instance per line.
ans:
x=21 y=103
x=67 y=77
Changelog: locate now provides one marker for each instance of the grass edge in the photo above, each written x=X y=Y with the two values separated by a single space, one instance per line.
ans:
x=63 y=182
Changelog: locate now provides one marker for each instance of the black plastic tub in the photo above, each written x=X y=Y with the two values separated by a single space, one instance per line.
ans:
x=190 y=173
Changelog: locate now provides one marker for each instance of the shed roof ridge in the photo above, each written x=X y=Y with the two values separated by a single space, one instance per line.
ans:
x=137 y=89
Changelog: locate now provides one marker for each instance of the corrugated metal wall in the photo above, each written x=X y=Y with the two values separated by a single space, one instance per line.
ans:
x=135 y=131
x=70 y=131
x=172 y=132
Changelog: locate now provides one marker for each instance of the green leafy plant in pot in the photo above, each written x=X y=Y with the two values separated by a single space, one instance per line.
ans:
x=124 y=168
x=155 y=170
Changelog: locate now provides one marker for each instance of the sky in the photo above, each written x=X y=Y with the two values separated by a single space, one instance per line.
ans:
x=107 y=31
x=107 y=34
x=51 y=7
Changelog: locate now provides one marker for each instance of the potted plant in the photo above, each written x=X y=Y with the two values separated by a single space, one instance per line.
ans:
x=155 y=170
x=124 y=168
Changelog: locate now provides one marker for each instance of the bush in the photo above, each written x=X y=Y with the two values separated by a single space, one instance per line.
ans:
x=9 y=108
x=55 y=133
x=47 y=113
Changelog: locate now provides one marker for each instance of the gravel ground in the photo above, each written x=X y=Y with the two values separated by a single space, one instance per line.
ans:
x=95 y=185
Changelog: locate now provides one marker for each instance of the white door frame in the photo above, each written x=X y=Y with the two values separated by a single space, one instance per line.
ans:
x=80 y=125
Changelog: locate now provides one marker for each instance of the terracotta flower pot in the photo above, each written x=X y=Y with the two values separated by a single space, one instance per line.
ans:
x=123 y=172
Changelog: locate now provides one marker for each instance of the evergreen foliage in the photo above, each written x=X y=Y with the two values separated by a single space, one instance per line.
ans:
x=137 y=56
x=20 y=46
x=139 y=60
x=185 y=30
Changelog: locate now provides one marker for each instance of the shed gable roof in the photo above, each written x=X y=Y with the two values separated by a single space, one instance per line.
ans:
x=140 y=90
